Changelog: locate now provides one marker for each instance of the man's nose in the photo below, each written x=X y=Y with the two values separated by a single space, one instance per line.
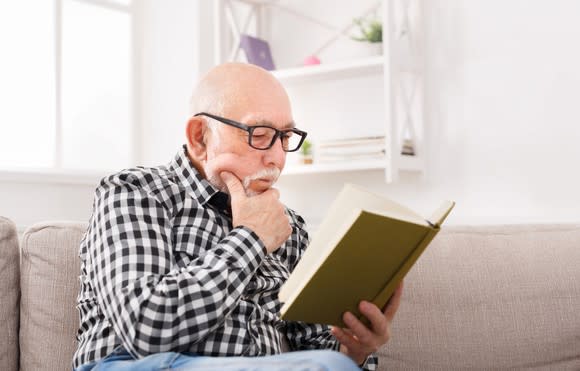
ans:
x=276 y=155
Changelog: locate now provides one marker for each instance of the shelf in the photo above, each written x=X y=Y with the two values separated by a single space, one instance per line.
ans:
x=332 y=86
x=406 y=163
x=377 y=164
x=411 y=163
x=258 y=2
x=330 y=71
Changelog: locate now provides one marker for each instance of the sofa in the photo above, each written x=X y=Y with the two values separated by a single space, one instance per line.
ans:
x=480 y=297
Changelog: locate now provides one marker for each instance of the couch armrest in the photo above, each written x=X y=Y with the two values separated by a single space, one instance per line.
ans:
x=49 y=283
x=9 y=295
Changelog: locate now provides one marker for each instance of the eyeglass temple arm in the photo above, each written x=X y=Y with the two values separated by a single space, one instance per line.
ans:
x=224 y=120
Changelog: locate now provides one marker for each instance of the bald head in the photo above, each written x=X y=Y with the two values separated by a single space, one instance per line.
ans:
x=231 y=88
x=251 y=96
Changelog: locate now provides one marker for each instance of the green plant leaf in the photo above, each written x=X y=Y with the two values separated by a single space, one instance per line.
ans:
x=370 y=30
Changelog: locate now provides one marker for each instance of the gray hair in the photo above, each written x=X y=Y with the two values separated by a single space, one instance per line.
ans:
x=210 y=103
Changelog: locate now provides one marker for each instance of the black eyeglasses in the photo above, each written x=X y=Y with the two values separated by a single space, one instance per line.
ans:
x=263 y=137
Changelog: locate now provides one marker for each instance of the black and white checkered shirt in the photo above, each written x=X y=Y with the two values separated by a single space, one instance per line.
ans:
x=163 y=270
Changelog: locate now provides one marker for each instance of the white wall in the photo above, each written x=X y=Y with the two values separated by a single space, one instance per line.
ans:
x=503 y=116
x=29 y=202
x=503 y=87
x=170 y=65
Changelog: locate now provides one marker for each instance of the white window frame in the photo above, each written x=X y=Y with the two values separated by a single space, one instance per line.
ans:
x=56 y=174
x=58 y=37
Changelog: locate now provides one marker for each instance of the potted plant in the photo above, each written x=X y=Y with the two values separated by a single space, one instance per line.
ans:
x=370 y=32
x=306 y=152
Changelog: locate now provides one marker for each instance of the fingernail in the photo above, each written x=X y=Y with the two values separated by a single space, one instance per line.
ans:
x=348 y=316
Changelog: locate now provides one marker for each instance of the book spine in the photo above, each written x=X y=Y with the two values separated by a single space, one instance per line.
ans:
x=383 y=297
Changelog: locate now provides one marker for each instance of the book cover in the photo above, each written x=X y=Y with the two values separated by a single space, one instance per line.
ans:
x=362 y=250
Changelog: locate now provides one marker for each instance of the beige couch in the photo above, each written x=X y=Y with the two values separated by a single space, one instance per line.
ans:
x=505 y=297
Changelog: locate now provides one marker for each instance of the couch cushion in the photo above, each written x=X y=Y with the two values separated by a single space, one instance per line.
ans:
x=491 y=298
x=49 y=285
x=9 y=294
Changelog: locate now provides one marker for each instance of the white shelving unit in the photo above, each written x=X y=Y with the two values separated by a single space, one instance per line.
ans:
x=322 y=72
x=399 y=69
x=361 y=165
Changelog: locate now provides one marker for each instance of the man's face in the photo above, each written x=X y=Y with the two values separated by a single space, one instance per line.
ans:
x=229 y=150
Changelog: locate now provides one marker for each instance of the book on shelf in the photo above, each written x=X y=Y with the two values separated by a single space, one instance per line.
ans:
x=340 y=157
x=355 y=141
x=355 y=150
x=362 y=250
x=351 y=149
x=257 y=51
x=408 y=148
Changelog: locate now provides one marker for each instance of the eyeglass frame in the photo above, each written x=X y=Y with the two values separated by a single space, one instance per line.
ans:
x=250 y=130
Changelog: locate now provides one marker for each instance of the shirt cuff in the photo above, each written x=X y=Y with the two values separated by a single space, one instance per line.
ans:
x=370 y=364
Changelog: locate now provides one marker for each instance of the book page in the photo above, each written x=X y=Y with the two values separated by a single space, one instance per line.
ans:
x=352 y=197
x=441 y=213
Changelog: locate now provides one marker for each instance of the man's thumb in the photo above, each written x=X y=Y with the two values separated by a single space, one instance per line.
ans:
x=232 y=183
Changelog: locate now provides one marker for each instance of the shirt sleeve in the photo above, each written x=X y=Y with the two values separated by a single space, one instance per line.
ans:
x=304 y=336
x=153 y=305
x=371 y=363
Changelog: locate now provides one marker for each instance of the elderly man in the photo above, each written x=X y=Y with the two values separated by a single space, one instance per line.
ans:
x=182 y=264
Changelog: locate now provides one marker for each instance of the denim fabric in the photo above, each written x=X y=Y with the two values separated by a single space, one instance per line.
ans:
x=310 y=360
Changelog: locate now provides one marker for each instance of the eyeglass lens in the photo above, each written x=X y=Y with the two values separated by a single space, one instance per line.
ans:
x=262 y=137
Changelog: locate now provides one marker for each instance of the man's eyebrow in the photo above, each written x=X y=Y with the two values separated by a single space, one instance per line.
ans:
x=290 y=125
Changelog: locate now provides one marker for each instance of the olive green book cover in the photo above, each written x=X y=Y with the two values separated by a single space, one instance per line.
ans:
x=362 y=250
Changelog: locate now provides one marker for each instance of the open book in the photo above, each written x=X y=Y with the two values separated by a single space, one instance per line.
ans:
x=364 y=247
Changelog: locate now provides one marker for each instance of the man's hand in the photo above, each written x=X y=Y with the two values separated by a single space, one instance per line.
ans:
x=263 y=213
x=358 y=341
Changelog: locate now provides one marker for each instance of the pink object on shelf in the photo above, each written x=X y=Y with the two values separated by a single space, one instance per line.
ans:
x=311 y=60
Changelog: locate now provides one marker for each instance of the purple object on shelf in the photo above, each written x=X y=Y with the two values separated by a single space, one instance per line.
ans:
x=257 y=51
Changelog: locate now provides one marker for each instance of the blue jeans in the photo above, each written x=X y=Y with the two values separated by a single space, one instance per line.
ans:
x=309 y=360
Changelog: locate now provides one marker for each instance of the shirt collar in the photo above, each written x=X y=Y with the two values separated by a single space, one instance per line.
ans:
x=195 y=184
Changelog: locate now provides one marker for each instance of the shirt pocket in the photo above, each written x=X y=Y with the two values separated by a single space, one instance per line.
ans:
x=193 y=240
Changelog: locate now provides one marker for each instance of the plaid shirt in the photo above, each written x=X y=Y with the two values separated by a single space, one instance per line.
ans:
x=163 y=270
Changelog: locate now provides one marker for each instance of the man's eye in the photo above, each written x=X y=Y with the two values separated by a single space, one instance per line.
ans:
x=261 y=132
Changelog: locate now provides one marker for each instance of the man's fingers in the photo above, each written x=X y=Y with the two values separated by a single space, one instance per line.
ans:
x=357 y=327
x=234 y=185
x=344 y=338
x=393 y=303
x=377 y=319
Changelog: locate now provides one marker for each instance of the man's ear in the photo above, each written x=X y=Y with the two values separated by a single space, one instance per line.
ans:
x=195 y=133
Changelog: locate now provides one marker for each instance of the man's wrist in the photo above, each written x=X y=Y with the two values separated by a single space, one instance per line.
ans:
x=357 y=360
